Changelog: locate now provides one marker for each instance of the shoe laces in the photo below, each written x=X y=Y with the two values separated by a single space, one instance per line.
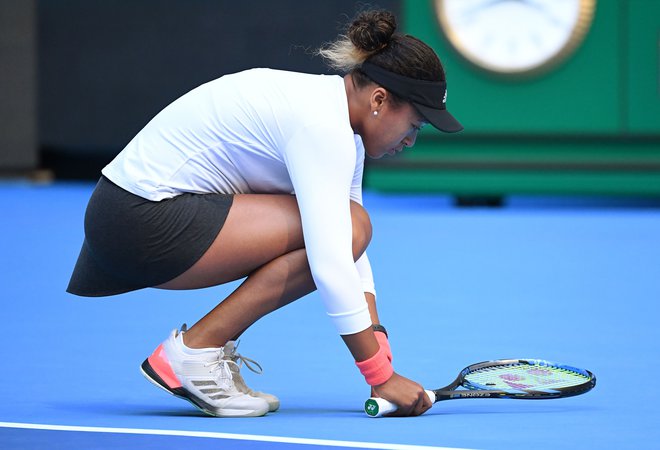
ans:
x=221 y=371
x=240 y=361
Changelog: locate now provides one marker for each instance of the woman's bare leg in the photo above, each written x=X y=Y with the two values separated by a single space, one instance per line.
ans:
x=261 y=239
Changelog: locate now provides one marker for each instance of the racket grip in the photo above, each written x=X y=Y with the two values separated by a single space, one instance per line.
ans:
x=377 y=407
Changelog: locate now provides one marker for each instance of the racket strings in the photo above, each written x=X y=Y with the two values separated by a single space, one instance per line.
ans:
x=524 y=377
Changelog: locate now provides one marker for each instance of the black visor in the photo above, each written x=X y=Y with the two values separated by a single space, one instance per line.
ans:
x=428 y=97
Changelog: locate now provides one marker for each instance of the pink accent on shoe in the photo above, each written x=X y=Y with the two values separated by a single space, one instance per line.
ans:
x=158 y=362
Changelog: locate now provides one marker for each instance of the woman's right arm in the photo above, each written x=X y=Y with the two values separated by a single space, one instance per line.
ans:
x=321 y=172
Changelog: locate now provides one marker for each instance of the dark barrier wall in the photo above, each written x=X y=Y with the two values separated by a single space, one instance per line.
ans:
x=106 y=67
x=590 y=125
x=18 y=86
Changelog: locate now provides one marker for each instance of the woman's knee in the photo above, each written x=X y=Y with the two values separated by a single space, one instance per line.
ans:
x=361 y=229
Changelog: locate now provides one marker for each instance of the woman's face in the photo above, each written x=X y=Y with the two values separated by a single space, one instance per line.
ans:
x=391 y=130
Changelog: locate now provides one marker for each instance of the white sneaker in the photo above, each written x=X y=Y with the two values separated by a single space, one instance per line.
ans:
x=203 y=377
x=238 y=361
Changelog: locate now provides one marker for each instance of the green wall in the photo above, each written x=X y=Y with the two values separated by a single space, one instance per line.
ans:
x=589 y=126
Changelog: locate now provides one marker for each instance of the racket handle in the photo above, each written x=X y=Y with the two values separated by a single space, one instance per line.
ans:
x=377 y=407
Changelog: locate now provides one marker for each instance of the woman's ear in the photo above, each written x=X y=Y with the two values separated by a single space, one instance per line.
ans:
x=377 y=99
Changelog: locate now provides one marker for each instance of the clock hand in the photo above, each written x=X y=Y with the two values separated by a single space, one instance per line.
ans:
x=479 y=8
x=546 y=12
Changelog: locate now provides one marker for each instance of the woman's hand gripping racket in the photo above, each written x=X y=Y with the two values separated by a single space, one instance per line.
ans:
x=505 y=378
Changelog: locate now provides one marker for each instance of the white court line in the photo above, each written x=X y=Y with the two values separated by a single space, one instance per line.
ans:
x=213 y=435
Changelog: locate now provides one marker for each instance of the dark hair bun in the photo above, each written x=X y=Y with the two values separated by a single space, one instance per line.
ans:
x=372 y=30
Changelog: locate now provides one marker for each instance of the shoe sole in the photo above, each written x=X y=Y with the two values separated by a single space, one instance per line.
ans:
x=153 y=377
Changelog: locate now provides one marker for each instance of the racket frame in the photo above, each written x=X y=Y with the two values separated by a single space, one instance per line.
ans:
x=450 y=391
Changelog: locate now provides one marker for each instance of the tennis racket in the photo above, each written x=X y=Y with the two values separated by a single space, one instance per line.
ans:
x=534 y=379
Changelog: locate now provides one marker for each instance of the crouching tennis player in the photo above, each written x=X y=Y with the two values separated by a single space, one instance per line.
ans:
x=258 y=175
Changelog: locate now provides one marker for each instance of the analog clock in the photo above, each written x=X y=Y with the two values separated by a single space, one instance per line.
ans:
x=515 y=36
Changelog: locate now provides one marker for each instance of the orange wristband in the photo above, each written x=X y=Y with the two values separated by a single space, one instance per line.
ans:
x=384 y=343
x=377 y=369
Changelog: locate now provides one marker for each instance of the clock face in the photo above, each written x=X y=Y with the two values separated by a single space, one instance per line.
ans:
x=515 y=36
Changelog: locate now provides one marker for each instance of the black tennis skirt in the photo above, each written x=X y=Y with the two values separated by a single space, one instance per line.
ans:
x=133 y=243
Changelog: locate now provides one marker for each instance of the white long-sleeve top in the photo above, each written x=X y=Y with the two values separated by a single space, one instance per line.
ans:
x=266 y=131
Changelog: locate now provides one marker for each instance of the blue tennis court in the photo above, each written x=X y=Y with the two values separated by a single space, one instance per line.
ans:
x=576 y=282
